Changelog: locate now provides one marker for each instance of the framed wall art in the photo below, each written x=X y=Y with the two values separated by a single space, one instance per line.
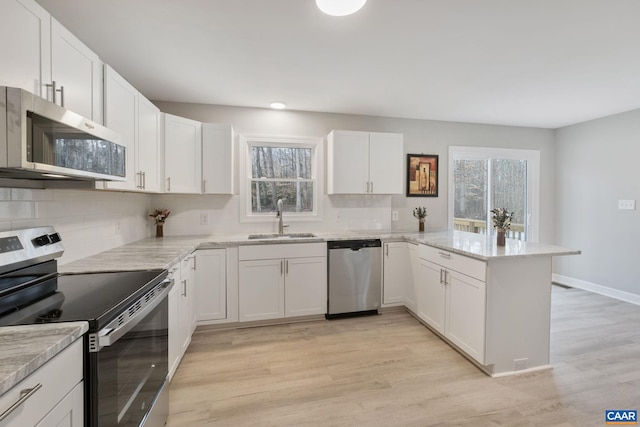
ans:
x=422 y=175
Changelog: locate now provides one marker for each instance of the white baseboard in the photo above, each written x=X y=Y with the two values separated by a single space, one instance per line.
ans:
x=598 y=289
x=522 y=371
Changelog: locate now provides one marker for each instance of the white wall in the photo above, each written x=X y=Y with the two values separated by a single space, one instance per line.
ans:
x=89 y=221
x=420 y=136
x=597 y=165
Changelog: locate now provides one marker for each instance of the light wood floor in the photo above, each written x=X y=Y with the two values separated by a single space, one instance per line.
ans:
x=389 y=370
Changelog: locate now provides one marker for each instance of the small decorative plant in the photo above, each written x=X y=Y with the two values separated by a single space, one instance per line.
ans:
x=420 y=212
x=502 y=218
x=160 y=215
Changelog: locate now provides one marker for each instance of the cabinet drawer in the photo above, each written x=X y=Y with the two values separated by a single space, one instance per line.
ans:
x=463 y=264
x=57 y=377
x=282 y=250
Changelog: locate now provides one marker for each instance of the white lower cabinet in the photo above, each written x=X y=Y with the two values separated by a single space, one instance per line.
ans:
x=284 y=280
x=58 y=393
x=411 y=282
x=396 y=267
x=211 y=286
x=453 y=302
x=182 y=318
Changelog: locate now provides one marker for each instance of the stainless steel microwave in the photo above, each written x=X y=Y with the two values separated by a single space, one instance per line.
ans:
x=41 y=140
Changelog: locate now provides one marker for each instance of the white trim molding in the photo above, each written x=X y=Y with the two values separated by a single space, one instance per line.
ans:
x=595 y=288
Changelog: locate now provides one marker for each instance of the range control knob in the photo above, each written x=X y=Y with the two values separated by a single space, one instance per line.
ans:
x=41 y=240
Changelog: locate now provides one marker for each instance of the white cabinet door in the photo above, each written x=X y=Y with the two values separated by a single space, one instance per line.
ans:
x=175 y=332
x=25 y=29
x=211 y=286
x=261 y=289
x=385 y=160
x=78 y=70
x=395 y=267
x=69 y=412
x=217 y=158
x=305 y=286
x=465 y=322
x=432 y=295
x=411 y=282
x=347 y=162
x=148 y=146
x=121 y=109
x=187 y=274
x=182 y=154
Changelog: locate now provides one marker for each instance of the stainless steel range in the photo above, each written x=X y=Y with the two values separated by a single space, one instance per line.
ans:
x=126 y=348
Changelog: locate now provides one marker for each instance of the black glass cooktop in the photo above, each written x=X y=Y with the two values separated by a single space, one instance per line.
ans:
x=93 y=297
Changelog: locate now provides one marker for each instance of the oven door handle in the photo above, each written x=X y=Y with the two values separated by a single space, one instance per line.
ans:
x=107 y=337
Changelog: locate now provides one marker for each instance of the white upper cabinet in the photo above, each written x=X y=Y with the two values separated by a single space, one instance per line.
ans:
x=25 y=29
x=136 y=118
x=364 y=162
x=38 y=51
x=77 y=73
x=121 y=109
x=182 y=155
x=148 y=147
x=217 y=158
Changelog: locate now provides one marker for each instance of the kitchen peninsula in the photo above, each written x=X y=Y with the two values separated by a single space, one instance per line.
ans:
x=491 y=303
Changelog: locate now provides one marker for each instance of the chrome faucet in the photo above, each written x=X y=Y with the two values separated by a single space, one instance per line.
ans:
x=281 y=226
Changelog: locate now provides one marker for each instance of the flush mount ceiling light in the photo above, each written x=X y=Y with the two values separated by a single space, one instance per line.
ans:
x=340 y=7
x=278 y=105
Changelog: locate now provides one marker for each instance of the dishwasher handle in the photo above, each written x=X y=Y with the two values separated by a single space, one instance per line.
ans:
x=354 y=245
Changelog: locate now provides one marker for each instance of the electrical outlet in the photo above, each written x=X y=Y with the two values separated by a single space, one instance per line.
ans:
x=394 y=215
x=627 y=205
x=520 y=364
x=204 y=218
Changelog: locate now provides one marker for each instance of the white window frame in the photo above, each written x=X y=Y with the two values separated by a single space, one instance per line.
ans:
x=247 y=142
x=532 y=158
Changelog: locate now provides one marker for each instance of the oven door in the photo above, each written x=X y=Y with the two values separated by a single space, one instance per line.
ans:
x=131 y=365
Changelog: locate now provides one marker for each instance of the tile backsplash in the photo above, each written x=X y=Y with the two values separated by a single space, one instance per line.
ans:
x=89 y=221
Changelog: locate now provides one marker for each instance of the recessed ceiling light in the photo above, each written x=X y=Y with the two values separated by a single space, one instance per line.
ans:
x=340 y=7
x=278 y=105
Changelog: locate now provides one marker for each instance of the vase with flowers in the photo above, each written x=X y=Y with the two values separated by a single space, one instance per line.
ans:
x=160 y=216
x=501 y=222
x=421 y=213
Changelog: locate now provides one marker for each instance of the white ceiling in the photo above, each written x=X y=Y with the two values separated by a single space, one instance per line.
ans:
x=540 y=63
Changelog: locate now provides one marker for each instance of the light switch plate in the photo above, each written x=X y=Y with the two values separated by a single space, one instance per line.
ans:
x=627 y=204
x=394 y=215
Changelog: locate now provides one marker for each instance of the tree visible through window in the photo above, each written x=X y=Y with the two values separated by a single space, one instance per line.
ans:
x=282 y=172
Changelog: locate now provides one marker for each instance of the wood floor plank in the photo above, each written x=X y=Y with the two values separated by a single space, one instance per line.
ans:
x=389 y=370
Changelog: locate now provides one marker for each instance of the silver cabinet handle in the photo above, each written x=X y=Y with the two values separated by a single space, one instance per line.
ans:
x=61 y=90
x=24 y=395
x=139 y=176
x=53 y=90
x=372 y=186
x=144 y=180
x=444 y=255
x=386 y=249
x=169 y=184
x=194 y=262
x=441 y=271
x=184 y=288
x=281 y=267
x=286 y=267
x=204 y=185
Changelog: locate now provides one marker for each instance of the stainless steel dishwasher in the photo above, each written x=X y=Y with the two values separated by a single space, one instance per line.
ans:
x=355 y=277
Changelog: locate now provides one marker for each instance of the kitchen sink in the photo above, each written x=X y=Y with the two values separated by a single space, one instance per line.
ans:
x=280 y=236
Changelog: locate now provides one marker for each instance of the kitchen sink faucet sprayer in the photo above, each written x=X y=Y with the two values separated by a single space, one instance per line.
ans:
x=281 y=226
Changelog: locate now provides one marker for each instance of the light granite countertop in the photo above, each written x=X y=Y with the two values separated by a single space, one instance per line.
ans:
x=152 y=253
x=23 y=349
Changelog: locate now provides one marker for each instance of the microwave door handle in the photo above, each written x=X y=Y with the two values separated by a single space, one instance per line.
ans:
x=115 y=334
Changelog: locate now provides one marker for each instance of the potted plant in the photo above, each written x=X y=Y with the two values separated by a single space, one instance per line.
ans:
x=421 y=213
x=501 y=222
x=160 y=216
